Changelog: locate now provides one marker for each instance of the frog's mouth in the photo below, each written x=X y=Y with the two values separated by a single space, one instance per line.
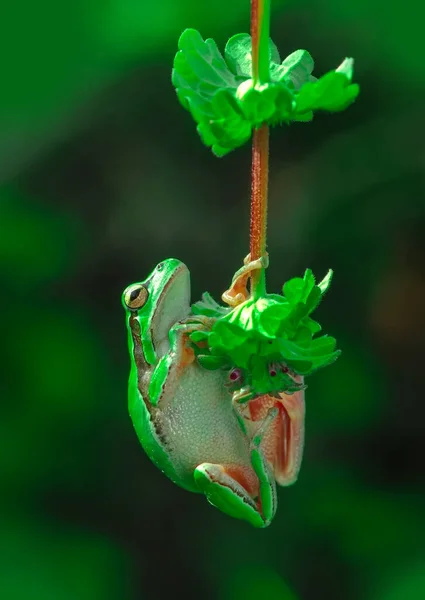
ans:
x=283 y=440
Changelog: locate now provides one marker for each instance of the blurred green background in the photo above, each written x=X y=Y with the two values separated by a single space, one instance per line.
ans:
x=102 y=176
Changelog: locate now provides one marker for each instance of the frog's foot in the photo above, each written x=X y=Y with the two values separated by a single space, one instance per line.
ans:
x=287 y=469
x=183 y=329
x=283 y=438
x=242 y=492
x=180 y=341
x=241 y=396
x=232 y=489
x=238 y=293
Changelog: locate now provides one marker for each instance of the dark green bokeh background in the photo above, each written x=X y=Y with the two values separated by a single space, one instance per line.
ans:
x=103 y=175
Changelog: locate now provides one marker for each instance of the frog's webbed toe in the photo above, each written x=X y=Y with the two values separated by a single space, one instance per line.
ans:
x=197 y=322
x=230 y=489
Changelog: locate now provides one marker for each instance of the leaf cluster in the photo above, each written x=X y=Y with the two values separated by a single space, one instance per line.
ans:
x=273 y=329
x=227 y=105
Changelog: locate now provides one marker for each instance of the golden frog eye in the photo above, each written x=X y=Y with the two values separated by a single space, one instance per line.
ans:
x=136 y=296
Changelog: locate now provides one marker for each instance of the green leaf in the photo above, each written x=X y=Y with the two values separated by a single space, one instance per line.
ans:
x=333 y=92
x=303 y=336
x=269 y=103
x=199 y=68
x=226 y=334
x=290 y=350
x=212 y=363
x=312 y=325
x=313 y=299
x=272 y=318
x=295 y=70
x=199 y=336
x=208 y=307
x=304 y=117
x=238 y=54
x=206 y=87
x=297 y=290
x=347 y=68
x=300 y=366
x=326 y=281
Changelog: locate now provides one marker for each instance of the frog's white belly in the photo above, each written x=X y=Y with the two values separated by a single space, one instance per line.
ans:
x=198 y=424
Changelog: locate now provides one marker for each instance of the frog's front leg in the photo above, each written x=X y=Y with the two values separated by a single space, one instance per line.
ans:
x=243 y=492
x=167 y=373
x=238 y=293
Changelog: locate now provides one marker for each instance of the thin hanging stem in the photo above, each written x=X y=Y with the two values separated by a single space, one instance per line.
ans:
x=260 y=33
x=259 y=185
x=260 y=27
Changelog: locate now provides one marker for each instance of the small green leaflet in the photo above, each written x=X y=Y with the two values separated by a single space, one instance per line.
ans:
x=221 y=96
x=208 y=307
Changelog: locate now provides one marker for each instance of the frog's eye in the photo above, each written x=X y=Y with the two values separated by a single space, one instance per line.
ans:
x=235 y=375
x=136 y=296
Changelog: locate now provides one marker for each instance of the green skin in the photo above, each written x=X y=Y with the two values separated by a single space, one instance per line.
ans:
x=183 y=414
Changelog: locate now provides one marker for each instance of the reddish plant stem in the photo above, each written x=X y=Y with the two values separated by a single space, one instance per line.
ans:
x=254 y=38
x=260 y=168
x=260 y=17
x=260 y=28
x=259 y=188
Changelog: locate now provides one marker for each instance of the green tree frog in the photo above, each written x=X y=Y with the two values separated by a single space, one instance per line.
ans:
x=184 y=415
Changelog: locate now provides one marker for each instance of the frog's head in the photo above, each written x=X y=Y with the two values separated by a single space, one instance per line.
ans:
x=159 y=302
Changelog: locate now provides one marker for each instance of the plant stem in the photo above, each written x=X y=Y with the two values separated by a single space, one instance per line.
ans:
x=260 y=33
x=259 y=185
x=260 y=27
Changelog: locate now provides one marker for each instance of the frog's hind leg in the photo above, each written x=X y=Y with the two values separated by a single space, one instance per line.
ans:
x=232 y=489
x=243 y=492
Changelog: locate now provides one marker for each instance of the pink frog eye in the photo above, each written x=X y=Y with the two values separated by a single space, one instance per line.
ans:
x=235 y=375
x=285 y=369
